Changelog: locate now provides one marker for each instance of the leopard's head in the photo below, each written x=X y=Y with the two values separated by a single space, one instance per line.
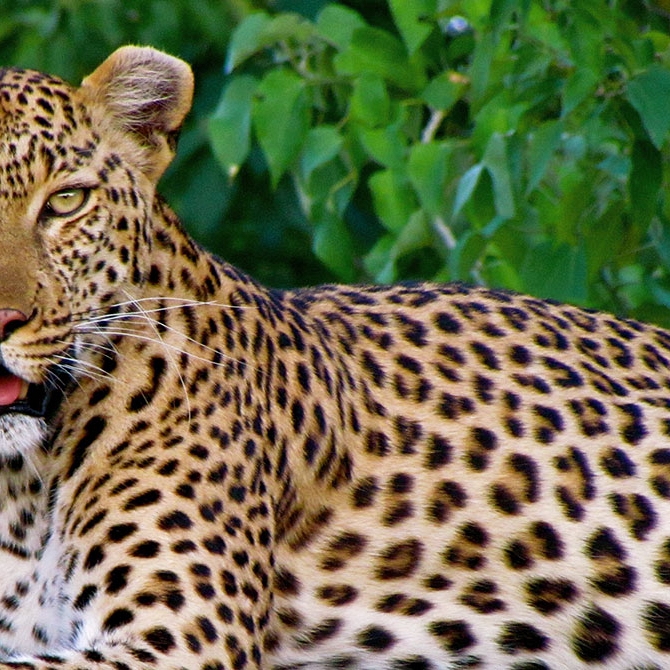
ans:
x=78 y=170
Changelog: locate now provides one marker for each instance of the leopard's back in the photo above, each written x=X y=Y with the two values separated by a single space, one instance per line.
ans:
x=502 y=493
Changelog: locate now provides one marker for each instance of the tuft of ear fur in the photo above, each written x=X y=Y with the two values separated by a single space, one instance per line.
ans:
x=147 y=93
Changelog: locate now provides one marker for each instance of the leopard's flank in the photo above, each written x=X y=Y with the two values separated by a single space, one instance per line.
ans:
x=200 y=473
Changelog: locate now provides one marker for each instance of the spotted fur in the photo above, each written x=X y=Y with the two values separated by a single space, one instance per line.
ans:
x=401 y=478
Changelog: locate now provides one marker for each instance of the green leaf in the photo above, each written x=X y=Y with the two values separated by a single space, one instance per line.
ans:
x=415 y=234
x=659 y=40
x=503 y=273
x=605 y=239
x=466 y=186
x=480 y=208
x=444 y=90
x=587 y=35
x=334 y=247
x=578 y=87
x=630 y=284
x=494 y=226
x=542 y=146
x=327 y=188
x=281 y=119
x=644 y=51
x=661 y=242
x=501 y=13
x=616 y=166
x=230 y=126
x=386 y=146
x=428 y=170
x=246 y=39
x=497 y=163
x=287 y=26
x=413 y=20
x=501 y=114
x=558 y=272
x=381 y=260
x=259 y=31
x=321 y=145
x=480 y=68
x=376 y=51
x=661 y=293
x=649 y=93
x=393 y=199
x=465 y=255
x=545 y=34
x=645 y=182
x=370 y=102
x=337 y=24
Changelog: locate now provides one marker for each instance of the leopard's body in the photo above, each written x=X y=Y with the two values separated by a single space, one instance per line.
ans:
x=398 y=478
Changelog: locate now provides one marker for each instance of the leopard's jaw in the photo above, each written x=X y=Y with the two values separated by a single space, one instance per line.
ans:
x=416 y=476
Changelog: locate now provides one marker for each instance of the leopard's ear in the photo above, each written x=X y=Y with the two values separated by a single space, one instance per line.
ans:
x=147 y=93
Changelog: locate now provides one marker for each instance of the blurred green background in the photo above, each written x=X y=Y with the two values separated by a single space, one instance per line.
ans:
x=513 y=143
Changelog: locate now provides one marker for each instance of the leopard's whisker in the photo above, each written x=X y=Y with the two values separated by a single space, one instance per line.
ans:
x=105 y=312
x=119 y=332
x=83 y=367
x=152 y=324
x=143 y=317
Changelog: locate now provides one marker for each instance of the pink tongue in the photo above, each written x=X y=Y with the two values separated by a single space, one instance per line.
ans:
x=10 y=389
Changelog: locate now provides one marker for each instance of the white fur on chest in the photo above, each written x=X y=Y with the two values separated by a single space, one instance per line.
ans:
x=32 y=607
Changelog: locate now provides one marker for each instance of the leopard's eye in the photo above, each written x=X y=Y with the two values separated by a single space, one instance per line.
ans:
x=66 y=202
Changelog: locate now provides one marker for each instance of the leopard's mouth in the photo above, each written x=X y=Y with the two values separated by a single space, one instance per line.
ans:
x=18 y=395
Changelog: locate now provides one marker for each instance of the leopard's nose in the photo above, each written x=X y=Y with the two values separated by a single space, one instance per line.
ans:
x=10 y=320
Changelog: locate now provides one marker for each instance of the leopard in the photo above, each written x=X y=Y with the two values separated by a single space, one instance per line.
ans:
x=202 y=473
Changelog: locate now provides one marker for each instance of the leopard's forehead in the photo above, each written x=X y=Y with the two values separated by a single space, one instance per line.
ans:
x=44 y=129
x=34 y=100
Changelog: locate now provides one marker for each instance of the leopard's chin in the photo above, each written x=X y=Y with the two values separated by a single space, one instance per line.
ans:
x=21 y=434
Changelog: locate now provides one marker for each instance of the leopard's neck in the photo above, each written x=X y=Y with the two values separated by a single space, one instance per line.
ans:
x=211 y=325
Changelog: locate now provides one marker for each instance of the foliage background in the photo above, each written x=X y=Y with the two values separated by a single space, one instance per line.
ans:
x=516 y=143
